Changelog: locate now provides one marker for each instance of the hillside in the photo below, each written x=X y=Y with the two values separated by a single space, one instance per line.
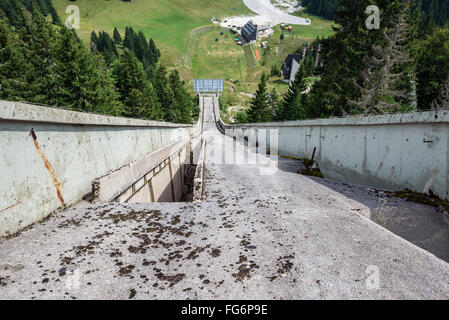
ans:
x=437 y=10
x=170 y=23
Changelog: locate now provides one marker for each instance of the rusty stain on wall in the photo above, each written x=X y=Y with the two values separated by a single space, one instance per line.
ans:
x=48 y=166
x=11 y=206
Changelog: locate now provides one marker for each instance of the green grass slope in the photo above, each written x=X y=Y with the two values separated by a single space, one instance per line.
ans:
x=168 y=22
x=175 y=25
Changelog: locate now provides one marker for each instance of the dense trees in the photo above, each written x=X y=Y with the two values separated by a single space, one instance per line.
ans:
x=52 y=67
x=104 y=44
x=117 y=36
x=13 y=66
x=401 y=67
x=436 y=10
x=136 y=92
x=324 y=8
x=145 y=51
x=12 y=9
x=263 y=106
x=260 y=109
x=432 y=67
x=47 y=64
x=385 y=78
x=294 y=105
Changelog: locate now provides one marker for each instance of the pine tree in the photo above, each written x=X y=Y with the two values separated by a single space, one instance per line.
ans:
x=10 y=8
x=293 y=107
x=93 y=41
x=54 y=16
x=107 y=47
x=165 y=95
x=386 y=67
x=106 y=100
x=342 y=58
x=137 y=93
x=13 y=66
x=129 y=75
x=442 y=102
x=432 y=67
x=260 y=110
x=80 y=83
x=155 y=51
x=182 y=100
x=273 y=103
x=117 y=36
x=141 y=48
x=129 y=40
x=153 y=110
x=39 y=40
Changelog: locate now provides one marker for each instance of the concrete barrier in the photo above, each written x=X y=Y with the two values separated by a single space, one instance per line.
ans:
x=50 y=156
x=198 y=182
x=394 y=151
x=157 y=177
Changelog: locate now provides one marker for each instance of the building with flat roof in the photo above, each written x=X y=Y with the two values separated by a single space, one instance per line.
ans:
x=290 y=67
x=249 y=31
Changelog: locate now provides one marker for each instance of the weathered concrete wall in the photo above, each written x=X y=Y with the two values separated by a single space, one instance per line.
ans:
x=55 y=166
x=390 y=151
x=157 y=177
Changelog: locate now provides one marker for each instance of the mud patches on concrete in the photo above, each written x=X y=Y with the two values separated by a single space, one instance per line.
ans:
x=215 y=253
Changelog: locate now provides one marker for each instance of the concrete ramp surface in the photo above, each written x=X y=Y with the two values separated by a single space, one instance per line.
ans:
x=285 y=236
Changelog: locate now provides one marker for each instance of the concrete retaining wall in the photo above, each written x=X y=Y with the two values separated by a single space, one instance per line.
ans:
x=157 y=177
x=390 y=151
x=54 y=165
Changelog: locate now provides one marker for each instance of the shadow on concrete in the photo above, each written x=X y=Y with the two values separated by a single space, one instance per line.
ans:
x=425 y=226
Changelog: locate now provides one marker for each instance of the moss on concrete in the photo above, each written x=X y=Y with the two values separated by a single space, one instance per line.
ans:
x=428 y=199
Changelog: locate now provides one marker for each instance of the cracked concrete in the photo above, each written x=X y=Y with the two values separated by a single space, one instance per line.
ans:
x=285 y=236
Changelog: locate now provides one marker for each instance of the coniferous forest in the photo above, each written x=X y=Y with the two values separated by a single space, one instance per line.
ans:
x=44 y=62
x=437 y=10
x=401 y=67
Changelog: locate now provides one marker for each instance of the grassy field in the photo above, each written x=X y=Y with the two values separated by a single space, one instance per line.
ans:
x=184 y=33
x=168 y=22
x=221 y=59
x=224 y=59
x=251 y=60
x=194 y=39
x=320 y=27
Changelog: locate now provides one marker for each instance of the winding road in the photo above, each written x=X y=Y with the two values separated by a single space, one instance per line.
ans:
x=266 y=8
